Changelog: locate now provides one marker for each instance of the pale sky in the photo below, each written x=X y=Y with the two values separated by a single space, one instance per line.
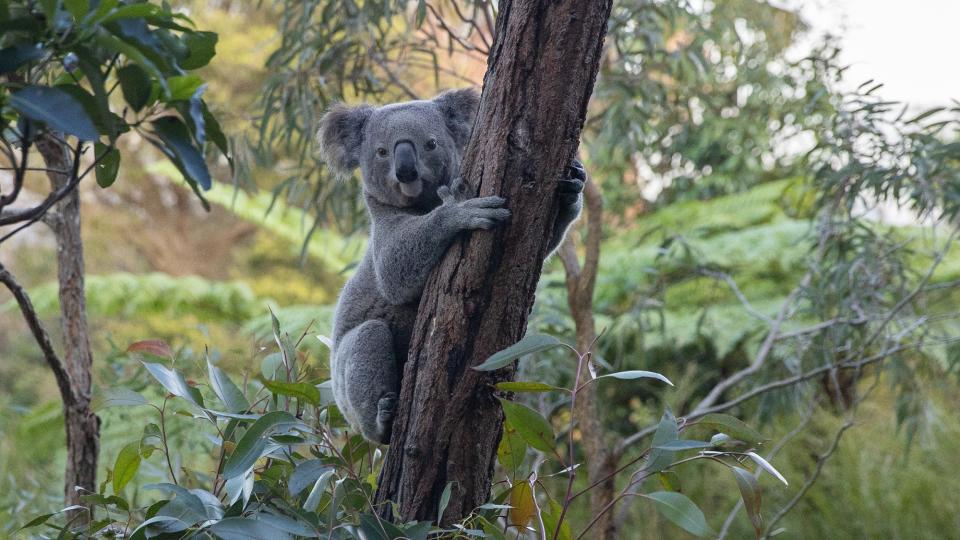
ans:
x=913 y=47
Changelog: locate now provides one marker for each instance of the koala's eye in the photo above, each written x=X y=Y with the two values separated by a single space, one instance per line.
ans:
x=432 y=144
x=382 y=152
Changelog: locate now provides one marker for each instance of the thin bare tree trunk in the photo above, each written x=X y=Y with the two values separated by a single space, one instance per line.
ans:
x=82 y=425
x=599 y=450
x=540 y=75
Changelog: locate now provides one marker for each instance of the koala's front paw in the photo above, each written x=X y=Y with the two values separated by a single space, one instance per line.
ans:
x=571 y=185
x=479 y=213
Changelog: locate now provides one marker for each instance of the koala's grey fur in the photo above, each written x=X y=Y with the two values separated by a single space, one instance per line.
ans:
x=413 y=221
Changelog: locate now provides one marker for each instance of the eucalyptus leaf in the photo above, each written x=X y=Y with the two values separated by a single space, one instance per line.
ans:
x=528 y=345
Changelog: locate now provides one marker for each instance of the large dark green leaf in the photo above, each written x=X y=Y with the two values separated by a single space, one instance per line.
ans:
x=223 y=387
x=176 y=138
x=534 y=429
x=174 y=382
x=667 y=432
x=57 y=109
x=135 y=84
x=237 y=528
x=300 y=390
x=126 y=466
x=681 y=510
x=732 y=426
x=528 y=345
x=202 y=46
x=750 y=492
x=512 y=450
x=251 y=446
x=16 y=55
x=107 y=166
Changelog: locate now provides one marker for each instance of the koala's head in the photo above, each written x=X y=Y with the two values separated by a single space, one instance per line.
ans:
x=405 y=151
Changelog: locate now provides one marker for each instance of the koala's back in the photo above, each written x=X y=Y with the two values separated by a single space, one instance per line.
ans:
x=361 y=301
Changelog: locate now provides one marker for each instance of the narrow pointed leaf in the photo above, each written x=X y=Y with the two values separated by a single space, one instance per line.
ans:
x=679 y=509
x=528 y=345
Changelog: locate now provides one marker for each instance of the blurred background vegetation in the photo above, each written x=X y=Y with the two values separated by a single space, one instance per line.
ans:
x=710 y=134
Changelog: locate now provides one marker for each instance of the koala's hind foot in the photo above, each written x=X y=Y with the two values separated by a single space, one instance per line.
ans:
x=367 y=370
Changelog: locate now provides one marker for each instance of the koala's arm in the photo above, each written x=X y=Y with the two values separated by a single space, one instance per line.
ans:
x=406 y=247
x=570 y=192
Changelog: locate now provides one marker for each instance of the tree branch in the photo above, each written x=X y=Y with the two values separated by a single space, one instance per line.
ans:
x=40 y=335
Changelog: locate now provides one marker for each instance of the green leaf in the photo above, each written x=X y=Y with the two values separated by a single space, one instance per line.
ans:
x=119 y=397
x=179 y=147
x=667 y=432
x=77 y=8
x=108 y=165
x=114 y=44
x=528 y=386
x=251 y=446
x=444 y=501
x=202 y=46
x=300 y=390
x=528 y=345
x=512 y=449
x=679 y=509
x=182 y=87
x=313 y=499
x=131 y=11
x=126 y=466
x=374 y=528
x=306 y=473
x=534 y=429
x=750 y=492
x=682 y=444
x=15 y=56
x=238 y=528
x=551 y=519
x=174 y=382
x=421 y=12
x=223 y=387
x=637 y=374
x=135 y=85
x=731 y=426
x=57 y=109
x=103 y=119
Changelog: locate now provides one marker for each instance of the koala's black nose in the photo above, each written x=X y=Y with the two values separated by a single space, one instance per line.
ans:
x=405 y=161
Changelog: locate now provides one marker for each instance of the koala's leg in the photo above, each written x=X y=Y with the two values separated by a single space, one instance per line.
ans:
x=369 y=382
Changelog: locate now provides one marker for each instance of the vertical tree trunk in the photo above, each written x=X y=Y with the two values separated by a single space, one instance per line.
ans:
x=82 y=425
x=599 y=450
x=540 y=75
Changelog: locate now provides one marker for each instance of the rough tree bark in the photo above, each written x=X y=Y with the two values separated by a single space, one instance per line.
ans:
x=82 y=425
x=599 y=449
x=540 y=74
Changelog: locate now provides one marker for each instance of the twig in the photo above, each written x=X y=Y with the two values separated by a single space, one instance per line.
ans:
x=821 y=461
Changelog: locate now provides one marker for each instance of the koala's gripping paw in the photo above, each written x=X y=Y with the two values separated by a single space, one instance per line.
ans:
x=571 y=185
x=386 y=410
x=479 y=213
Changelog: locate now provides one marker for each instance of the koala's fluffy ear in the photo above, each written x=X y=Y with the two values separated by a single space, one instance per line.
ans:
x=340 y=136
x=459 y=109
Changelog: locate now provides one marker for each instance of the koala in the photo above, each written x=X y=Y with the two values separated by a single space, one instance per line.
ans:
x=409 y=157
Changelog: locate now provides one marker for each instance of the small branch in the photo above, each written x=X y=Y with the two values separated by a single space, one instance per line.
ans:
x=821 y=461
x=64 y=382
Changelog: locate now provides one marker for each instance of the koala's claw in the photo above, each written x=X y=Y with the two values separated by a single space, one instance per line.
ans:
x=576 y=170
x=386 y=410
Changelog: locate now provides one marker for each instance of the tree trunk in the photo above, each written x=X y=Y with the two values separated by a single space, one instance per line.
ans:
x=599 y=451
x=82 y=425
x=540 y=75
